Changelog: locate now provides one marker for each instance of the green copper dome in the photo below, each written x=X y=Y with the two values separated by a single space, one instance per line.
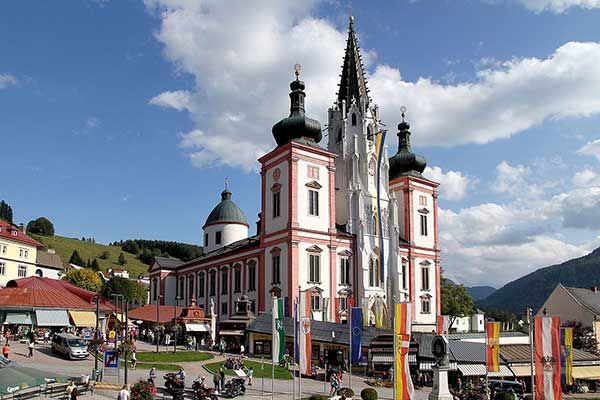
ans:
x=226 y=212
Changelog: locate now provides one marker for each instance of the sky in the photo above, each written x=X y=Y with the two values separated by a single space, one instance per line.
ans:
x=122 y=119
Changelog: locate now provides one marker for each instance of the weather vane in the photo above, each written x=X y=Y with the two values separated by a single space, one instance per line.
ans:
x=403 y=111
x=297 y=68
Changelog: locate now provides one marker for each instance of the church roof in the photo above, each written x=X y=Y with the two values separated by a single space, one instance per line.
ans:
x=226 y=212
x=405 y=162
x=353 y=84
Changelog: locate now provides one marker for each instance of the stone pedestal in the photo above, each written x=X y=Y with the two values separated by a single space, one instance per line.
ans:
x=440 y=389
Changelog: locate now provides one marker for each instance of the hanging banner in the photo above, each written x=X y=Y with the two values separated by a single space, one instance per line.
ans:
x=304 y=334
x=278 y=331
x=356 y=321
x=566 y=356
x=547 y=358
x=492 y=342
x=443 y=323
x=402 y=327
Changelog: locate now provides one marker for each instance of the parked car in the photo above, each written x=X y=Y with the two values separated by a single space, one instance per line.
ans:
x=501 y=386
x=69 y=346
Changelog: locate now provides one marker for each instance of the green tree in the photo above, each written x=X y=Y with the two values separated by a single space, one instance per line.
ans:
x=41 y=226
x=122 y=260
x=583 y=337
x=94 y=265
x=131 y=246
x=85 y=278
x=456 y=302
x=76 y=259
x=129 y=289
x=6 y=212
x=105 y=255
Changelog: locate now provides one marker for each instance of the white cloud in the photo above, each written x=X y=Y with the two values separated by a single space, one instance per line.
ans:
x=179 y=100
x=558 y=6
x=7 y=80
x=579 y=208
x=514 y=182
x=591 y=149
x=92 y=122
x=453 y=184
x=586 y=177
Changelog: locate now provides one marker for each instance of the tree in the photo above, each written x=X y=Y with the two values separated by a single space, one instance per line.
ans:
x=583 y=337
x=85 y=278
x=129 y=289
x=76 y=259
x=41 y=226
x=122 y=260
x=131 y=246
x=6 y=212
x=94 y=265
x=105 y=254
x=456 y=302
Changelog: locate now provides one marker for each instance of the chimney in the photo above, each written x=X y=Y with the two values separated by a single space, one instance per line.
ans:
x=258 y=224
x=594 y=289
x=22 y=227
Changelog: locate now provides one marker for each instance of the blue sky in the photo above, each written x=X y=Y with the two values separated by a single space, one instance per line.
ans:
x=121 y=119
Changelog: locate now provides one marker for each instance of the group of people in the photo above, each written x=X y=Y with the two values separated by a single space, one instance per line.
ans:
x=234 y=363
x=335 y=381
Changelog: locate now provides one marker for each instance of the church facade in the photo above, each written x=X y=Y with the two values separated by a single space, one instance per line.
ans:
x=318 y=226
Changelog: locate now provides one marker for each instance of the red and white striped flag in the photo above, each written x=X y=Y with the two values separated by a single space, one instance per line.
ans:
x=304 y=333
x=443 y=323
x=547 y=358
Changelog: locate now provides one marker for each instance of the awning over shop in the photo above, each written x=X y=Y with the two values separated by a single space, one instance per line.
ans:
x=197 y=328
x=426 y=365
x=586 y=372
x=479 y=370
x=521 y=370
x=232 y=332
x=383 y=358
x=18 y=319
x=52 y=318
x=84 y=319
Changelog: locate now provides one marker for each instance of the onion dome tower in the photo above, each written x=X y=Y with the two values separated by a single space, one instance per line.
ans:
x=297 y=126
x=225 y=224
x=405 y=162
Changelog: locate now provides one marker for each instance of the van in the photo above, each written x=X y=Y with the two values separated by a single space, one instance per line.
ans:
x=70 y=346
x=506 y=386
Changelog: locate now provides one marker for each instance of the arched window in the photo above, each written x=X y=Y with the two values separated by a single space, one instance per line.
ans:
x=201 y=284
x=371 y=272
x=39 y=273
x=181 y=293
x=212 y=283
x=369 y=133
x=154 y=289
x=353 y=119
x=339 y=136
x=190 y=288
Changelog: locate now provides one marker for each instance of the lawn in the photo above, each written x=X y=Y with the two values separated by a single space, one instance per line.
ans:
x=158 y=366
x=180 y=356
x=280 y=373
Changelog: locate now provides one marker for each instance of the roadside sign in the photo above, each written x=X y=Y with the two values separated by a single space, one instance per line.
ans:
x=111 y=359
x=112 y=334
x=87 y=334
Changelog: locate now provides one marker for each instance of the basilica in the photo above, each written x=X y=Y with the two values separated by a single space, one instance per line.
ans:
x=345 y=223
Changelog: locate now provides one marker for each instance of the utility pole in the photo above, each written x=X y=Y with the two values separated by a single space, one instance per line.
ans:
x=127 y=341
x=97 y=300
x=530 y=319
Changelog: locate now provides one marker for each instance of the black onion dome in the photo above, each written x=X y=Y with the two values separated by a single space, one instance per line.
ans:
x=297 y=126
x=405 y=162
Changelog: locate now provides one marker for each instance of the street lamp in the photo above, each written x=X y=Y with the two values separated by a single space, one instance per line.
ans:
x=177 y=298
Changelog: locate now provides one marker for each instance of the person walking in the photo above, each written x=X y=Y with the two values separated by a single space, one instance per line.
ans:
x=242 y=350
x=6 y=350
x=152 y=376
x=333 y=384
x=124 y=393
x=222 y=380
x=133 y=359
x=250 y=374
x=217 y=381
x=70 y=388
x=31 y=345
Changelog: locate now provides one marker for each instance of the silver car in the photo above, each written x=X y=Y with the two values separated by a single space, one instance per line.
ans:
x=69 y=346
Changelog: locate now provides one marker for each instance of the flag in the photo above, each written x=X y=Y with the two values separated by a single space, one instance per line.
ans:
x=547 y=358
x=492 y=343
x=296 y=333
x=443 y=323
x=402 y=327
x=304 y=334
x=379 y=145
x=278 y=331
x=566 y=356
x=356 y=323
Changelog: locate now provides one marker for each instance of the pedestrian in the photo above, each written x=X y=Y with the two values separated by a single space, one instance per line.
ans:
x=46 y=336
x=217 y=381
x=74 y=393
x=8 y=335
x=6 y=350
x=133 y=359
x=250 y=374
x=152 y=376
x=124 y=393
x=31 y=344
x=182 y=375
x=242 y=350
x=333 y=384
x=222 y=376
x=70 y=388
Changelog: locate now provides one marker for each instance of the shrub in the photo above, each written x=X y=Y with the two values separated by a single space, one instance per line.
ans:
x=318 y=397
x=368 y=394
x=347 y=392
x=143 y=391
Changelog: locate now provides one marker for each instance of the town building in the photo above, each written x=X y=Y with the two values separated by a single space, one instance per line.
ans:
x=319 y=221
x=21 y=256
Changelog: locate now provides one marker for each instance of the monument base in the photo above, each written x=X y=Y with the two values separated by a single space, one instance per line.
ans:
x=440 y=389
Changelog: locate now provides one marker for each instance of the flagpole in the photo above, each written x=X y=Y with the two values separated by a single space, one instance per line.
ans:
x=395 y=347
x=294 y=352
x=487 y=360
x=349 y=322
x=273 y=349
x=299 y=347
x=530 y=318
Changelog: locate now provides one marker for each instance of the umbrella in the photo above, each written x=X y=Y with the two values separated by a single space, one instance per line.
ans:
x=15 y=378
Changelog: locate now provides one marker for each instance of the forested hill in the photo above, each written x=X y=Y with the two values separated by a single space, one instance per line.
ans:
x=532 y=290
x=480 y=292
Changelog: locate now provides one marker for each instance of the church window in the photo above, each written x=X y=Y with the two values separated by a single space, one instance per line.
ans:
x=425 y=278
x=276 y=268
x=206 y=239
x=314 y=268
x=425 y=305
x=343 y=303
x=213 y=283
x=404 y=272
x=237 y=280
x=276 y=204
x=251 y=276
x=154 y=289
x=315 y=302
x=201 y=284
x=353 y=119
x=423 y=225
x=374 y=272
x=191 y=287
x=224 y=286
x=313 y=172
x=223 y=308
x=181 y=288
x=422 y=200
x=369 y=133
x=344 y=271
x=313 y=203
x=218 y=237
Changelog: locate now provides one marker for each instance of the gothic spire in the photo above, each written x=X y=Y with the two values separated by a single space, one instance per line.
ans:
x=353 y=84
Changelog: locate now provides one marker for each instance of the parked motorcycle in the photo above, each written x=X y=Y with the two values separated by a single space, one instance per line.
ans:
x=203 y=392
x=174 y=385
x=235 y=387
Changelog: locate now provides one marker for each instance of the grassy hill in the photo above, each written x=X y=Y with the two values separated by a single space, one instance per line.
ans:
x=64 y=247
x=532 y=289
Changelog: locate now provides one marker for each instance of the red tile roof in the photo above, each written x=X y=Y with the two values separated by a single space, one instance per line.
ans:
x=6 y=232
x=148 y=313
x=45 y=292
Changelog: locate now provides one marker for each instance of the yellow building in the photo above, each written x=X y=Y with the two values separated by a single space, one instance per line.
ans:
x=19 y=256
